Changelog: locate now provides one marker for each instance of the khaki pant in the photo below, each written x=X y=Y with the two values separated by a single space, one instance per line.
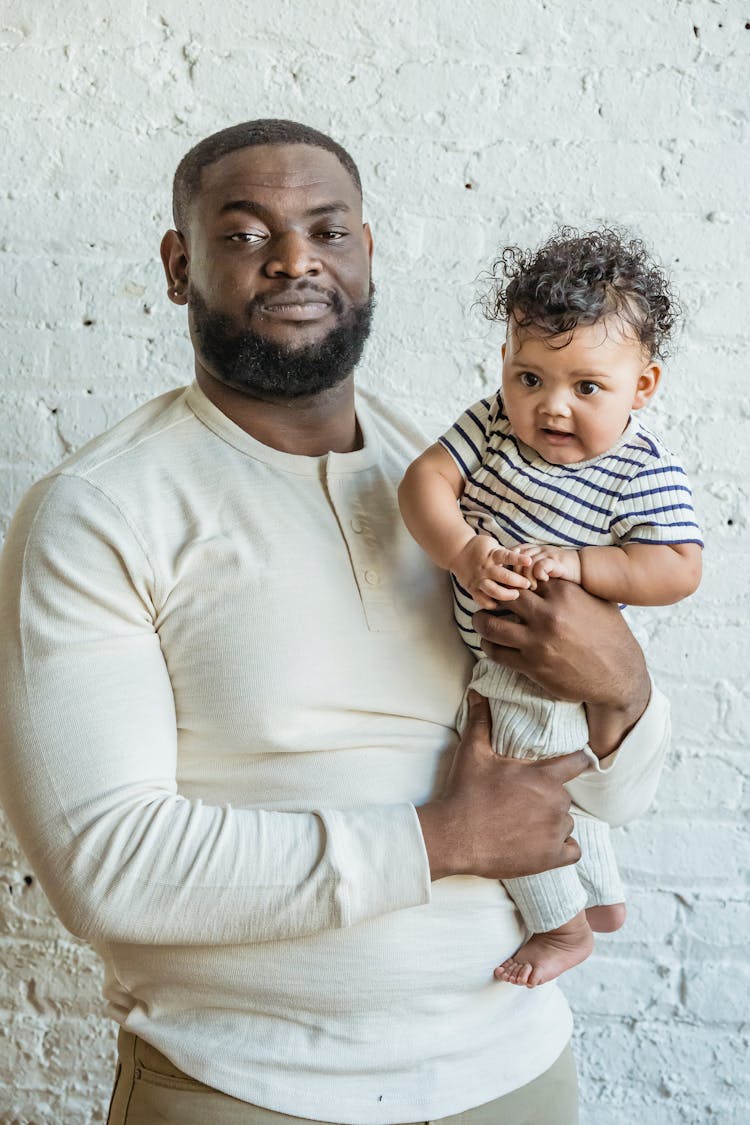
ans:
x=150 y=1089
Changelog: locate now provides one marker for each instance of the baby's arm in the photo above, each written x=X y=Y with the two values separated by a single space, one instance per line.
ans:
x=642 y=573
x=634 y=574
x=428 y=497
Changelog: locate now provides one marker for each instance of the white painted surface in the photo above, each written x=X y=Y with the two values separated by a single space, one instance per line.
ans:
x=550 y=111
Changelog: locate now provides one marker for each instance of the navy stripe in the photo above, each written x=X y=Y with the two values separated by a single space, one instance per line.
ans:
x=520 y=534
x=634 y=513
x=458 y=586
x=600 y=528
x=481 y=426
x=660 y=471
x=570 y=469
x=468 y=441
x=455 y=455
x=665 y=542
x=677 y=523
x=542 y=485
x=544 y=481
x=658 y=492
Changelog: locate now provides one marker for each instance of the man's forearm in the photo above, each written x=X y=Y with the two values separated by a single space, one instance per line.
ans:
x=609 y=725
x=576 y=647
x=624 y=787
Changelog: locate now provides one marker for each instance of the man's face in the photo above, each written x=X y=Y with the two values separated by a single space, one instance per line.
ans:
x=278 y=271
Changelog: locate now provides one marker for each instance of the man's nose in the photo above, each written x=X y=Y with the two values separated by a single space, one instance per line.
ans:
x=292 y=255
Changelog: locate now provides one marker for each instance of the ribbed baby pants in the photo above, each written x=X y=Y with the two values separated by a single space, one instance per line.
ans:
x=528 y=723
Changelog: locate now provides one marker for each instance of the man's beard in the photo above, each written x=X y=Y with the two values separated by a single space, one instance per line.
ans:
x=250 y=363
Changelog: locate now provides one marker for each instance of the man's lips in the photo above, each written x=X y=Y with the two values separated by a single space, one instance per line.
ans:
x=296 y=306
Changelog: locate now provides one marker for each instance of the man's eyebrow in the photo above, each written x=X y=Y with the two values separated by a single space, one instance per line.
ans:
x=251 y=207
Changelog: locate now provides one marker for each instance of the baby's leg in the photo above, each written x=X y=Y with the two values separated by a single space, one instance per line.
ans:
x=552 y=905
x=545 y=956
x=606 y=919
x=597 y=870
x=528 y=723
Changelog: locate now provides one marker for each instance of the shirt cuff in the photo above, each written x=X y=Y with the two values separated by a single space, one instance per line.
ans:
x=647 y=733
x=624 y=785
x=379 y=860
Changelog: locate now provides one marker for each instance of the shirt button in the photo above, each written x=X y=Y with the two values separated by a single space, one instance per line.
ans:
x=372 y=578
x=357 y=526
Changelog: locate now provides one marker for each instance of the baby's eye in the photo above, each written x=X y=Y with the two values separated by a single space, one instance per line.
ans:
x=529 y=379
x=587 y=388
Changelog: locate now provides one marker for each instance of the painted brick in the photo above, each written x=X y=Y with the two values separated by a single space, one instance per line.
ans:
x=552 y=111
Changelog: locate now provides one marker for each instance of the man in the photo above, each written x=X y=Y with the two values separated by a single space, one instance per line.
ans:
x=231 y=686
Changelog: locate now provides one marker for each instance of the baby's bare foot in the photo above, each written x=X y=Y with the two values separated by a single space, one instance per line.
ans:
x=544 y=956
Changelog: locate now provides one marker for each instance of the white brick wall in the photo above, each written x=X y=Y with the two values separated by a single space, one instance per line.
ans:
x=473 y=124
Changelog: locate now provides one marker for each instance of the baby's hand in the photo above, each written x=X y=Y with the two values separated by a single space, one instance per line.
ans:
x=481 y=567
x=550 y=562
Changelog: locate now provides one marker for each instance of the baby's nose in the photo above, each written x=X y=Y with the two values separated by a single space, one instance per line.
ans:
x=556 y=403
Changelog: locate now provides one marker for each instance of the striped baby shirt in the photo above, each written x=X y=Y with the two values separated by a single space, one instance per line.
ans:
x=636 y=492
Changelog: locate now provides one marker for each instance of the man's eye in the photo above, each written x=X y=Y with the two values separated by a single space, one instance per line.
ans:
x=247 y=236
x=529 y=379
x=587 y=388
x=331 y=235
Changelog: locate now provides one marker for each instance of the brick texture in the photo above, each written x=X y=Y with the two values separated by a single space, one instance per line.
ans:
x=473 y=125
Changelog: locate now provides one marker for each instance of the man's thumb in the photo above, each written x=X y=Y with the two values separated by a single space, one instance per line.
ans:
x=478 y=712
x=566 y=767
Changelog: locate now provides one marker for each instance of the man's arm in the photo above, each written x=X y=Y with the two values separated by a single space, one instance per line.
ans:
x=88 y=757
x=500 y=817
x=579 y=648
x=88 y=763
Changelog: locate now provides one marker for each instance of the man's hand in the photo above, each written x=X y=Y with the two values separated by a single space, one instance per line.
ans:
x=576 y=647
x=500 y=817
x=481 y=567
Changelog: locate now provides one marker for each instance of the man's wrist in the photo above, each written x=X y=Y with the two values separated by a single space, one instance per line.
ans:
x=438 y=841
x=610 y=723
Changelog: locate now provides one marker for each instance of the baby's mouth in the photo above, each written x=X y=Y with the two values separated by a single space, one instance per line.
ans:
x=557 y=435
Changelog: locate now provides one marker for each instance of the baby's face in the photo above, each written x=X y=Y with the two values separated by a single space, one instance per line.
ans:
x=570 y=403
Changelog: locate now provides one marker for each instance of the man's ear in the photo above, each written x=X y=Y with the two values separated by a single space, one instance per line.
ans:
x=367 y=232
x=174 y=257
x=648 y=381
x=502 y=351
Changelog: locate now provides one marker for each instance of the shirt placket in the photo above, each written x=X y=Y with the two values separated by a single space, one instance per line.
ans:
x=369 y=564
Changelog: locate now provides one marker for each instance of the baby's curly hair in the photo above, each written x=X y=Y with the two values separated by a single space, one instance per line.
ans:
x=578 y=279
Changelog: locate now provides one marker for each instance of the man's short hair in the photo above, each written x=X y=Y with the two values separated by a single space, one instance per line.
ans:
x=265 y=131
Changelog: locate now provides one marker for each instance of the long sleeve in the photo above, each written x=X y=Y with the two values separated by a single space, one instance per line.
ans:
x=625 y=784
x=227 y=676
x=89 y=757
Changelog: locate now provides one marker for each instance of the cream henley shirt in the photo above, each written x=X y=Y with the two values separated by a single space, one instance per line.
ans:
x=229 y=675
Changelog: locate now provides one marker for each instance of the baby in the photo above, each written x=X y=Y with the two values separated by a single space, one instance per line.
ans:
x=553 y=477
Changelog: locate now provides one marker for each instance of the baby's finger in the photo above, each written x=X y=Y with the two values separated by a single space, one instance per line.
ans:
x=533 y=550
x=528 y=573
x=502 y=575
x=541 y=570
x=491 y=589
x=501 y=556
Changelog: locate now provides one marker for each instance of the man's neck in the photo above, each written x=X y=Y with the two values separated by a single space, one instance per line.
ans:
x=308 y=427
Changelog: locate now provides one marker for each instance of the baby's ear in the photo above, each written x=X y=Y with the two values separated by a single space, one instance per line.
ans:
x=648 y=381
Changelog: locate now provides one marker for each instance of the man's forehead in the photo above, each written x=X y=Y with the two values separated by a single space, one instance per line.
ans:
x=278 y=167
